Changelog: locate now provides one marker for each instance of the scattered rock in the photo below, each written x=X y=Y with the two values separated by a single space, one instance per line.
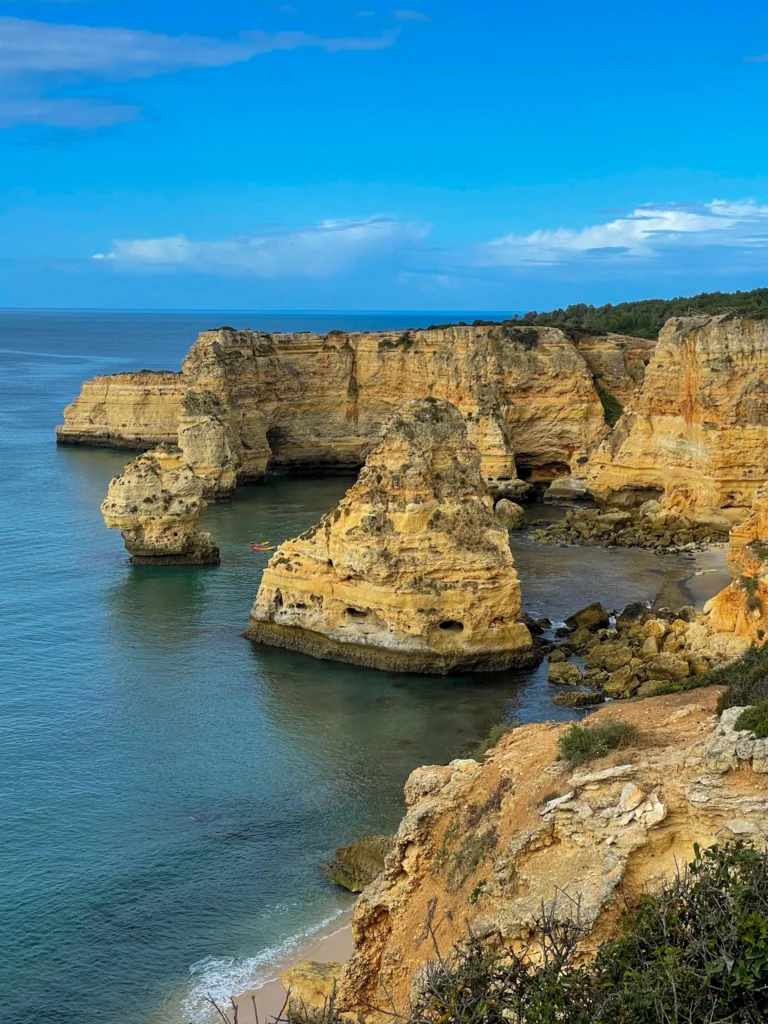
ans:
x=510 y=513
x=355 y=866
x=565 y=672
x=578 y=699
x=592 y=617
x=622 y=684
x=668 y=666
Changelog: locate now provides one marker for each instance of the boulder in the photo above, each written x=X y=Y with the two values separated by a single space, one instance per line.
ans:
x=633 y=613
x=578 y=699
x=565 y=672
x=557 y=655
x=355 y=866
x=510 y=513
x=668 y=666
x=311 y=988
x=593 y=616
x=622 y=684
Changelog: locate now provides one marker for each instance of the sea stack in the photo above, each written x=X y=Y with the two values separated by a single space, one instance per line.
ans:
x=411 y=571
x=157 y=502
x=204 y=444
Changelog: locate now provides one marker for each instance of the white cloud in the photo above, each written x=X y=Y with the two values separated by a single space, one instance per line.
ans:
x=645 y=233
x=38 y=47
x=66 y=113
x=410 y=16
x=318 y=251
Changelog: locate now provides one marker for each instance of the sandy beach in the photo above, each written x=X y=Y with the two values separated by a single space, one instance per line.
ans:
x=269 y=999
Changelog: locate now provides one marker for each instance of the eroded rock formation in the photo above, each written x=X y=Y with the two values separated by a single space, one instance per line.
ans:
x=156 y=503
x=411 y=571
x=617 y=361
x=303 y=401
x=204 y=444
x=696 y=434
x=743 y=606
x=483 y=846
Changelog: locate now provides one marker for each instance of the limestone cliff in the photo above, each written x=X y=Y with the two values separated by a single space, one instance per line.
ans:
x=617 y=361
x=125 y=410
x=307 y=401
x=484 y=845
x=697 y=431
x=204 y=443
x=157 y=502
x=411 y=571
x=742 y=607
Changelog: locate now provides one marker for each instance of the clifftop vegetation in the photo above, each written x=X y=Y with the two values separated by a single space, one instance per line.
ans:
x=644 y=319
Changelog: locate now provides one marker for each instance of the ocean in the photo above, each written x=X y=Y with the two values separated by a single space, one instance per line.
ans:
x=168 y=791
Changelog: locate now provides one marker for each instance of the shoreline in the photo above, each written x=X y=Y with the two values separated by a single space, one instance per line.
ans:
x=269 y=999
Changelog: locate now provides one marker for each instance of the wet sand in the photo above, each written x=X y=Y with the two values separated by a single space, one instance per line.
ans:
x=269 y=999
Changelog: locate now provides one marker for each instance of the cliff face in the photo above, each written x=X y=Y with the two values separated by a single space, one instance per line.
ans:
x=742 y=607
x=125 y=410
x=697 y=431
x=617 y=361
x=411 y=571
x=305 y=401
x=484 y=845
x=204 y=443
x=156 y=503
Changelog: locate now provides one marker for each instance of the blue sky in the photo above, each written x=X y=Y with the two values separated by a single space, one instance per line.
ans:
x=334 y=155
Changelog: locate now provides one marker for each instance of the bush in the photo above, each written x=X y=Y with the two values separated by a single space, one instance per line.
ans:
x=694 y=951
x=612 y=407
x=755 y=719
x=583 y=743
x=497 y=732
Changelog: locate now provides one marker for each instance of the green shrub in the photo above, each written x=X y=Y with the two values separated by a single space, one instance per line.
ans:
x=612 y=407
x=497 y=732
x=745 y=680
x=583 y=743
x=694 y=951
x=755 y=719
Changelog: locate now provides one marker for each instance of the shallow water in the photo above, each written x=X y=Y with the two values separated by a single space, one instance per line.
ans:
x=167 y=790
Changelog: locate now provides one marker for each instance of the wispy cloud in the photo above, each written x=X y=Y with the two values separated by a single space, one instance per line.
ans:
x=39 y=47
x=33 y=52
x=647 y=232
x=410 y=15
x=317 y=251
x=85 y=114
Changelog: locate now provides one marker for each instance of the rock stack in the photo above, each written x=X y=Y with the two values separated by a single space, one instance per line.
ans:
x=742 y=607
x=156 y=503
x=411 y=571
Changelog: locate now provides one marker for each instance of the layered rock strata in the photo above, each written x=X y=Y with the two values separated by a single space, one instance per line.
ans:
x=411 y=571
x=743 y=606
x=204 y=444
x=696 y=434
x=156 y=503
x=484 y=846
x=617 y=361
x=306 y=401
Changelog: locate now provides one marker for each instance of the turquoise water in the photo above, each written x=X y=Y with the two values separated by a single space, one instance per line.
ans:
x=167 y=790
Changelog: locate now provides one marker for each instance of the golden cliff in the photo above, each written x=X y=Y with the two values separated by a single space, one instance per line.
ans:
x=483 y=846
x=742 y=608
x=157 y=502
x=696 y=433
x=304 y=401
x=617 y=361
x=411 y=571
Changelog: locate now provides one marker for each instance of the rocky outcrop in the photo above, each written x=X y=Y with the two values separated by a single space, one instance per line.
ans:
x=204 y=444
x=156 y=503
x=651 y=526
x=484 y=846
x=298 y=402
x=411 y=571
x=355 y=866
x=311 y=989
x=696 y=434
x=742 y=607
x=125 y=410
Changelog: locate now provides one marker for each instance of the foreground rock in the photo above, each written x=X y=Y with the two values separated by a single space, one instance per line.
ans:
x=743 y=606
x=411 y=571
x=510 y=514
x=355 y=866
x=306 y=401
x=156 y=503
x=311 y=988
x=697 y=430
x=483 y=846
x=650 y=527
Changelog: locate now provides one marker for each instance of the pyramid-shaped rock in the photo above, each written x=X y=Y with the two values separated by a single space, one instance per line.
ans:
x=411 y=571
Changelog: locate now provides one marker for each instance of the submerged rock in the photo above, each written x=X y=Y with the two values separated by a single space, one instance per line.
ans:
x=156 y=503
x=355 y=866
x=591 y=617
x=411 y=571
x=564 y=672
